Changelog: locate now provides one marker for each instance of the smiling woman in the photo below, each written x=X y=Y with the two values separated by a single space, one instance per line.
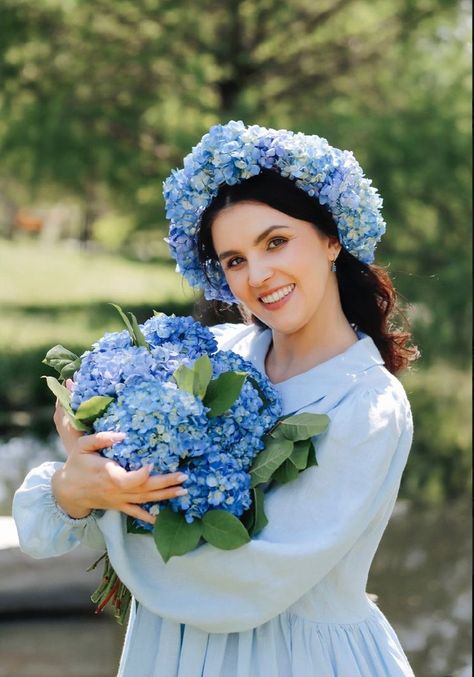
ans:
x=286 y=226
x=283 y=277
x=285 y=255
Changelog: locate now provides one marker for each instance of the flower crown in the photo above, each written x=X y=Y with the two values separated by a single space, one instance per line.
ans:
x=231 y=153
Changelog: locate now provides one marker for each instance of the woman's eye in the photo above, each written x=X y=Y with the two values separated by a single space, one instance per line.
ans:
x=276 y=242
x=231 y=263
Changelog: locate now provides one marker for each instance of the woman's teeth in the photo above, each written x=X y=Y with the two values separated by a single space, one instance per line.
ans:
x=277 y=295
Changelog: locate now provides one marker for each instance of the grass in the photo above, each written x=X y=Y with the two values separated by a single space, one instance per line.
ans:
x=55 y=294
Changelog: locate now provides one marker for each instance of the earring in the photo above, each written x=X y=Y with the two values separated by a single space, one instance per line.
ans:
x=333 y=266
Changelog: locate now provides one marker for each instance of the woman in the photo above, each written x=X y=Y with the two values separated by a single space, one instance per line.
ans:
x=285 y=225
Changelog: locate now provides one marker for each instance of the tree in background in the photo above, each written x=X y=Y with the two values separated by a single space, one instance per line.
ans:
x=100 y=98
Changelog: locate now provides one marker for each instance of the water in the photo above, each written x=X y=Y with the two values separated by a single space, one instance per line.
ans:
x=421 y=575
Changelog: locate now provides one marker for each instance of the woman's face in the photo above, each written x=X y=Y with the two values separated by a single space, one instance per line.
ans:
x=276 y=265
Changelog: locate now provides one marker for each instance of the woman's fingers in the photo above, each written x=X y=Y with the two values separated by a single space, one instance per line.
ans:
x=136 y=478
x=154 y=496
x=67 y=433
x=137 y=512
x=93 y=443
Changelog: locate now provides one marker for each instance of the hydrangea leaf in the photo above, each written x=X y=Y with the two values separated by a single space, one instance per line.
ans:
x=224 y=530
x=276 y=451
x=125 y=319
x=302 y=426
x=62 y=360
x=223 y=391
x=311 y=456
x=173 y=535
x=137 y=334
x=248 y=518
x=64 y=397
x=70 y=369
x=285 y=473
x=134 y=528
x=185 y=378
x=203 y=369
x=92 y=408
x=195 y=379
x=261 y=520
x=299 y=455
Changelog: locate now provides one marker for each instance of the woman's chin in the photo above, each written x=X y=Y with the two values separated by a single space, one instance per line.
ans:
x=279 y=323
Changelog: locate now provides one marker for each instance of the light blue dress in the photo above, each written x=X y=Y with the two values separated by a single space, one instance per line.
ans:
x=292 y=602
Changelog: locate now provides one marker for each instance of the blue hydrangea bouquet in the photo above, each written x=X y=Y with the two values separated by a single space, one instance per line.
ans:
x=185 y=405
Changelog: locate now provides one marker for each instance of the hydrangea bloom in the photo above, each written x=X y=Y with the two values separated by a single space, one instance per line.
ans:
x=170 y=428
x=164 y=425
x=232 y=153
x=189 y=336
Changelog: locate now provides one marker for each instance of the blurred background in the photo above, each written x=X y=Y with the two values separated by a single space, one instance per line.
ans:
x=98 y=101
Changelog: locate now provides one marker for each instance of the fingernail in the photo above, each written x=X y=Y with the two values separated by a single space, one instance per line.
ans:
x=182 y=477
x=150 y=467
x=181 y=492
x=117 y=436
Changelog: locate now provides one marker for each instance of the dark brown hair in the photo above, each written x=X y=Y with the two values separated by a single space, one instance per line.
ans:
x=368 y=297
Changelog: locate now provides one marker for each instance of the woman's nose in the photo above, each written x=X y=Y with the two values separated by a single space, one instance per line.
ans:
x=258 y=273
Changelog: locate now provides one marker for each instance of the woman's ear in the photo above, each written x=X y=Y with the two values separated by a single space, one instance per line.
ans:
x=334 y=247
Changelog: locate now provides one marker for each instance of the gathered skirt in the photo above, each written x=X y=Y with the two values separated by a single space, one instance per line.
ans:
x=286 y=646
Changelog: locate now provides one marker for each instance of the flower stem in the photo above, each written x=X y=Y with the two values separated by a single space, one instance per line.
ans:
x=111 y=590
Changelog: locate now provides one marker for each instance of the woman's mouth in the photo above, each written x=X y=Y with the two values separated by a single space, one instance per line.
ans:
x=277 y=298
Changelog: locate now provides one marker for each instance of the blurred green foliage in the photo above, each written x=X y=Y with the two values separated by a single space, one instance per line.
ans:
x=100 y=99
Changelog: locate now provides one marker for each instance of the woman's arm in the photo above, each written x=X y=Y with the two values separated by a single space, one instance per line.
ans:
x=57 y=505
x=44 y=529
x=313 y=523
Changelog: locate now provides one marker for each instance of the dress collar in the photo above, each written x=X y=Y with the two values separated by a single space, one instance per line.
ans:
x=328 y=381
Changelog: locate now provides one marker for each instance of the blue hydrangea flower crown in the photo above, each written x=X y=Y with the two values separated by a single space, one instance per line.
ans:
x=231 y=153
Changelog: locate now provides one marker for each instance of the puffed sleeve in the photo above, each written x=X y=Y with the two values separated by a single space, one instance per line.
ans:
x=227 y=332
x=314 y=522
x=44 y=529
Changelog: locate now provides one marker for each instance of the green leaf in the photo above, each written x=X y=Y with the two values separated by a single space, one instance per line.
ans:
x=134 y=528
x=285 y=473
x=137 y=335
x=184 y=377
x=64 y=397
x=299 y=455
x=223 y=391
x=70 y=369
x=261 y=520
x=277 y=433
x=125 y=319
x=269 y=459
x=224 y=530
x=203 y=370
x=63 y=361
x=248 y=518
x=61 y=392
x=92 y=408
x=311 y=456
x=173 y=535
x=303 y=426
x=194 y=379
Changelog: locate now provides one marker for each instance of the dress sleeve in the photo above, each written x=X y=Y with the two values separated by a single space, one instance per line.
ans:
x=227 y=333
x=44 y=529
x=314 y=522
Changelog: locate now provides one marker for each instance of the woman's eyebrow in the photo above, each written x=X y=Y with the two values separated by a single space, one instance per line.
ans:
x=258 y=239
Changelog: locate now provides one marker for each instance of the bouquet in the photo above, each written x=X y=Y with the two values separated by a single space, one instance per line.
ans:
x=185 y=405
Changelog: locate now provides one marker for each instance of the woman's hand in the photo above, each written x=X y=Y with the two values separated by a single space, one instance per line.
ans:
x=88 y=481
